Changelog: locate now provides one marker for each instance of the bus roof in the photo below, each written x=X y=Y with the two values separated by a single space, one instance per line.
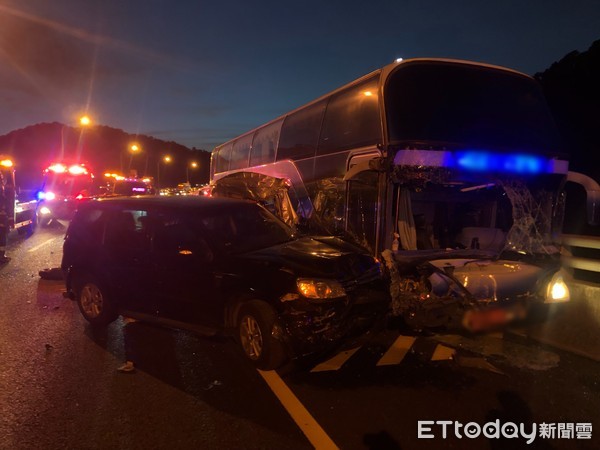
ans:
x=386 y=70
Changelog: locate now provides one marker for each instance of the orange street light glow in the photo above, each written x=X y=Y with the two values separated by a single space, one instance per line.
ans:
x=6 y=163
x=85 y=121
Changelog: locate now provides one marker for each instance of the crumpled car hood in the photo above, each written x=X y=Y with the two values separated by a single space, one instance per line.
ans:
x=320 y=257
x=488 y=279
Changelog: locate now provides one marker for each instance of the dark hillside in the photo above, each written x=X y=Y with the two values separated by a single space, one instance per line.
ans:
x=104 y=149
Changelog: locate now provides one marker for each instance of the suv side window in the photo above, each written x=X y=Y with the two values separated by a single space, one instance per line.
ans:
x=175 y=236
x=88 y=225
x=127 y=230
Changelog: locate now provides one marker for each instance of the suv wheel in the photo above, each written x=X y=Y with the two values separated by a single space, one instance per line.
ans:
x=255 y=325
x=94 y=304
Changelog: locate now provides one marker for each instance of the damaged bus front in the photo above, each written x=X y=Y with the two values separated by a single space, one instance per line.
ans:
x=475 y=236
x=451 y=171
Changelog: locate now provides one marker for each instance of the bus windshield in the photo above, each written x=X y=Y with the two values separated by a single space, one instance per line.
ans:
x=467 y=106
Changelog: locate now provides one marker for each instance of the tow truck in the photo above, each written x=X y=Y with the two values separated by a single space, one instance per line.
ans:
x=21 y=214
x=64 y=184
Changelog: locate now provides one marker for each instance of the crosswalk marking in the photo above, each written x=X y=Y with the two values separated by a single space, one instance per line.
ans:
x=425 y=349
x=397 y=351
x=442 y=353
x=336 y=362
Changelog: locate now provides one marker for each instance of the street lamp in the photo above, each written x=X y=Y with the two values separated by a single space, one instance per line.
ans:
x=84 y=121
x=193 y=165
x=133 y=149
x=166 y=159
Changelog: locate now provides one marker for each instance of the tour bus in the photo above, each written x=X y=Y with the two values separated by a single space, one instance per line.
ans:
x=451 y=171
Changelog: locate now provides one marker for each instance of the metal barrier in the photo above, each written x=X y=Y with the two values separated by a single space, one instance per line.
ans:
x=578 y=262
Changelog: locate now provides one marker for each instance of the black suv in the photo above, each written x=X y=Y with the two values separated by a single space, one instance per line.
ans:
x=216 y=265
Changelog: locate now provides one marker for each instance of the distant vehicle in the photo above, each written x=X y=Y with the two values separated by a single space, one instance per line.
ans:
x=63 y=186
x=450 y=171
x=133 y=186
x=21 y=213
x=220 y=265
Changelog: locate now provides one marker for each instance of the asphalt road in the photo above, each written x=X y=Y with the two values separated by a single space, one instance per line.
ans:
x=63 y=385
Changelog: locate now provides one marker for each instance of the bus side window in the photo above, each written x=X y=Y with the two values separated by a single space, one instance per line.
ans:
x=264 y=144
x=240 y=153
x=363 y=207
x=223 y=157
x=352 y=119
x=300 y=133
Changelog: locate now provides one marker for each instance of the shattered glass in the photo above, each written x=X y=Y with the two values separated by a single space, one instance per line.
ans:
x=271 y=192
x=532 y=214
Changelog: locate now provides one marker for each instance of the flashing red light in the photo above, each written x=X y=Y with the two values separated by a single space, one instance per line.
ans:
x=57 y=168
x=77 y=170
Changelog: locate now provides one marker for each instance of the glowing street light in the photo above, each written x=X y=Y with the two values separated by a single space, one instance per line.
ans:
x=167 y=160
x=133 y=149
x=193 y=165
x=85 y=121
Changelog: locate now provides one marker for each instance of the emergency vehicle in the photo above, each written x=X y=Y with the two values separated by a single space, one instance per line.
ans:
x=63 y=186
x=19 y=215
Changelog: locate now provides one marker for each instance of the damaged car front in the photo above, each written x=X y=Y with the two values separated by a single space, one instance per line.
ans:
x=323 y=289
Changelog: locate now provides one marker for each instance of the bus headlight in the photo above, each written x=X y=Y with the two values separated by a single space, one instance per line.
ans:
x=320 y=289
x=44 y=210
x=557 y=290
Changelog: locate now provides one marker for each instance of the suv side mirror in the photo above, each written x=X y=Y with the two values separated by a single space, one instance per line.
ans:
x=592 y=189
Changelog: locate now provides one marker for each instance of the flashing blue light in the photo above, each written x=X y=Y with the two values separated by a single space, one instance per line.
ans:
x=492 y=162
x=40 y=195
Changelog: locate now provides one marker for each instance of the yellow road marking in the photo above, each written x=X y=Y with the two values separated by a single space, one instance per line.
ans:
x=305 y=421
x=43 y=244
x=397 y=351
x=336 y=362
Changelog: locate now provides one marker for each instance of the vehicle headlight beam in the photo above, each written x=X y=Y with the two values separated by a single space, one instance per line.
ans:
x=320 y=288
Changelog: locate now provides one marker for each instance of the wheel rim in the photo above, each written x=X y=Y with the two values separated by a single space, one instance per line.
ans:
x=91 y=300
x=251 y=337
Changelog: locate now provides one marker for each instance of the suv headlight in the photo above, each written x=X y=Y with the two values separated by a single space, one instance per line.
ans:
x=557 y=290
x=321 y=289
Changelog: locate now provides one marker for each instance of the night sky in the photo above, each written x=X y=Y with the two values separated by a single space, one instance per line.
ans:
x=202 y=72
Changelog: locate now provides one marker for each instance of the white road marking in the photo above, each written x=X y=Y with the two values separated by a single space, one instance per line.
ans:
x=442 y=353
x=43 y=244
x=396 y=353
x=336 y=362
x=305 y=421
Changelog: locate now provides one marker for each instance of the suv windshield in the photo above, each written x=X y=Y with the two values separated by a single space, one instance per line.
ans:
x=245 y=228
x=468 y=106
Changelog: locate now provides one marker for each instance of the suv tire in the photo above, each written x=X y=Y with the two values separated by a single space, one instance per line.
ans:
x=254 y=331
x=94 y=303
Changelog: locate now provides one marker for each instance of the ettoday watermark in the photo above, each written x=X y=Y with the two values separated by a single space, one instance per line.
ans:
x=431 y=429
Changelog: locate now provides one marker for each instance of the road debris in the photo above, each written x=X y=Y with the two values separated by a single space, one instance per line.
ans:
x=128 y=367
